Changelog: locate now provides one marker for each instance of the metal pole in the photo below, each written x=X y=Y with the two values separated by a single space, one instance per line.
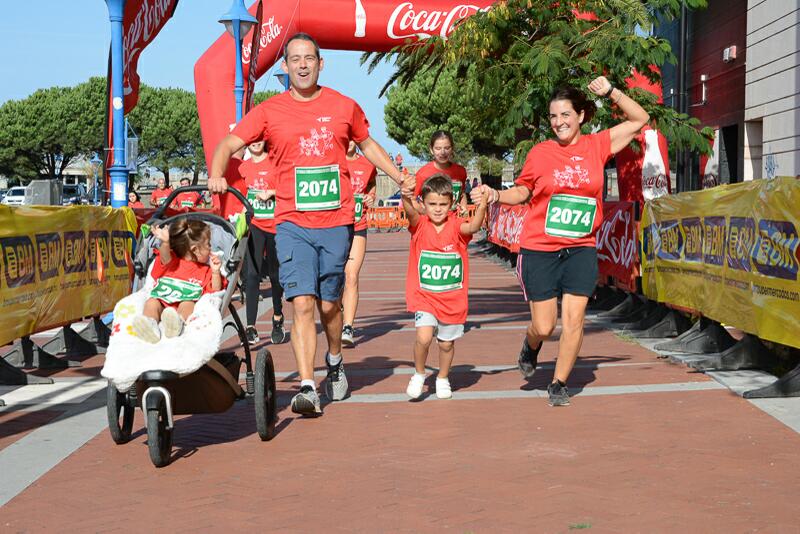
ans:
x=119 y=170
x=684 y=183
x=238 y=89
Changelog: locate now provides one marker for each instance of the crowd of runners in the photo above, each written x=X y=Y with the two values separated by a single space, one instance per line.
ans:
x=309 y=186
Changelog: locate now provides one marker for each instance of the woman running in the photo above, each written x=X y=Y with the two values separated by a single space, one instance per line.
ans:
x=362 y=178
x=562 y=182
x=442 y=147
x=259 y=176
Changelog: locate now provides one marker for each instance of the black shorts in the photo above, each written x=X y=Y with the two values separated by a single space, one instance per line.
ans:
x=361 y=233
x=545 y=275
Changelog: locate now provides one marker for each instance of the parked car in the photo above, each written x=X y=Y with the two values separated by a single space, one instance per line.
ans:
x=74 y=194
x=393 y=201
x=14 y=196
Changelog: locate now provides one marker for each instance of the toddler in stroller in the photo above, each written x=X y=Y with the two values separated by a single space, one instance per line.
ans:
x=173 y=374
x=184 y=270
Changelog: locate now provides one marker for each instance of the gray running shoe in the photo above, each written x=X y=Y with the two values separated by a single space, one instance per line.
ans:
x=173 y=323
x=528 y=358
x=559 y=394
x=336 y=382
x=347 y=336
x=306 y=402
x=278 y=334
x=146 y=329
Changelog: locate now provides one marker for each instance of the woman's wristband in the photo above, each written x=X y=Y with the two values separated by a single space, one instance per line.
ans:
x=610 y=90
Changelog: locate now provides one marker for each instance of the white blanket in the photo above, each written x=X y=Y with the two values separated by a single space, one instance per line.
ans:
x=128 y=356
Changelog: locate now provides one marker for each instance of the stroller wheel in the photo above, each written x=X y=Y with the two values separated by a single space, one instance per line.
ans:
x=159 y=434
x=120 y=415
x=265 y=397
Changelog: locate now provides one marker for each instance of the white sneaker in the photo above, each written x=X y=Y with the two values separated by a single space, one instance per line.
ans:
x=414 y=389
x=146 y=329
x=443 y=390
x=173 y=324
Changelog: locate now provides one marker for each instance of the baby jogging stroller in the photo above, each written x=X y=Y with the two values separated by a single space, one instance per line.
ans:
x=213 y=386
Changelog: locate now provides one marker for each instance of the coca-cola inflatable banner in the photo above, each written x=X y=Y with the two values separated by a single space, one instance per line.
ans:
x=367 y=25
x=617 y=255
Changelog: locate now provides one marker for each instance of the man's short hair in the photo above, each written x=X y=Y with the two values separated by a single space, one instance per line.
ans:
x=301 y=36
x=439 y=184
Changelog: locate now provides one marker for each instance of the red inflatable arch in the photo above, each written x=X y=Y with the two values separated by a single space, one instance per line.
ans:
x=366 y=25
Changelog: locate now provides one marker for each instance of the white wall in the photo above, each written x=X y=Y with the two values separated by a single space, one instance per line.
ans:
x=772 y=92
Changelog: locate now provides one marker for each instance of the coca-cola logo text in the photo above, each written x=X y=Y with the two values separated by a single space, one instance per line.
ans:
x=270 y=30
x=505 y=225
x=405 y=22
x=145 y=25
x=616 y=242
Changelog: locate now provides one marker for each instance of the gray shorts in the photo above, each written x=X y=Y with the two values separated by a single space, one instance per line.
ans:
x=444 y=332
x=312 y=260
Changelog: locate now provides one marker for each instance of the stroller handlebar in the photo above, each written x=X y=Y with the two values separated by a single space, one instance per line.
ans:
x=199 y=189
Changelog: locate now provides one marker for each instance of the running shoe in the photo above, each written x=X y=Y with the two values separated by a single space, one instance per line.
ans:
x=443 y=390
x=306 y=402
x=146 y=329
x=414 y=389
x=347 y=336
x=558 y=393
x=528 y=358
x=172 y=322
x=278 y=335
x=336 y=382
x=252 y=335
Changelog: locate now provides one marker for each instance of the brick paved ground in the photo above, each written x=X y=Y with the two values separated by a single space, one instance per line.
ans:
x=646 y=446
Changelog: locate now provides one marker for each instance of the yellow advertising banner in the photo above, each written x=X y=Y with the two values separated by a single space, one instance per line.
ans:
x=50 y=271
x=731 y=253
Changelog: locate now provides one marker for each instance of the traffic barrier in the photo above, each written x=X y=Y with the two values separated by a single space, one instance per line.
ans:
x=60 y=266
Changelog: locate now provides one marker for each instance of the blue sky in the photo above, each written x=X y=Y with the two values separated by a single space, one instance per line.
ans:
x=71 y=45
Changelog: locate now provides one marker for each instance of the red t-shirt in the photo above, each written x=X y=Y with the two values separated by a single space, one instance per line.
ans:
x=307 y=141
x=227 y=204
x=566 y=206
x=456 y=172
x=135 y=205
x=441 y=259
x=158 y=196
x=189 y=199
x=260 y=177
x=198 y=275
x=362 y=179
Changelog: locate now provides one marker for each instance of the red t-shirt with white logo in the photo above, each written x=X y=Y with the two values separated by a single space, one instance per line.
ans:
x=189 y=199
x=158 y=196
x=260 y=177
x=456 y=172
x=308 y=142
x=227 y=204
x=438 y=270
x=184 y=270
x=566 y=184
x=362 y=179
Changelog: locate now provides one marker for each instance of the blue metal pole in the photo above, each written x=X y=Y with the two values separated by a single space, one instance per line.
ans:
x=119 y=170
x=238 y=88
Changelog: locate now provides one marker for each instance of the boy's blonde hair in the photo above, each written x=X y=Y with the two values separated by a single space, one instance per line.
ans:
x=439 y=184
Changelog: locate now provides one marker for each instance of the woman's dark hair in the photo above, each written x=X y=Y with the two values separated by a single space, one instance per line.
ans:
x=441 y=134
x=300 y=36
x=138 y=198
x=439 y=184
x=578 y=100
x=185 y=233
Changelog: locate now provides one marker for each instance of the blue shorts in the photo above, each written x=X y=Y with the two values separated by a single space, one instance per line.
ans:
x=312 y=260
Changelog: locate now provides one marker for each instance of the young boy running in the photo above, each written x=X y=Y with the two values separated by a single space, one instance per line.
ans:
x=438 y=272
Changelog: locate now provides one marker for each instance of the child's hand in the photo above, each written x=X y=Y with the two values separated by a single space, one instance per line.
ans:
x=216 y=262
x=409 y=184
x=369 y=200
x=161 y=232
x=487 y=193
x=265 y=195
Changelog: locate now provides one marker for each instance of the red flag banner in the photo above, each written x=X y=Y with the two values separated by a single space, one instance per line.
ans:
x=505 y=225
x=250 y=59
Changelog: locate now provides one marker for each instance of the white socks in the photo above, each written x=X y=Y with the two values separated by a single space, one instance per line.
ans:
x=333 y=360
